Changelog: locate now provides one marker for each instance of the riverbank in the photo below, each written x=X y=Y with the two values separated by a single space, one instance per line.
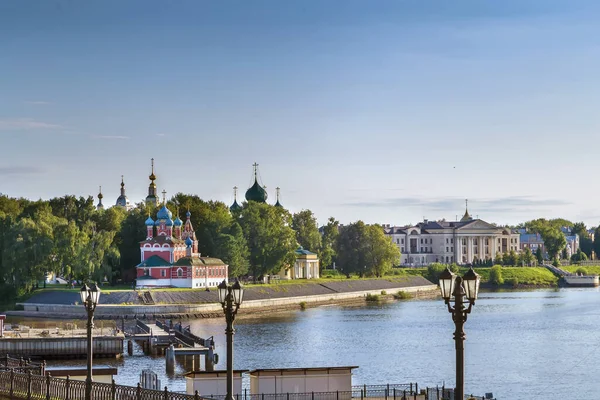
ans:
x=185 y=304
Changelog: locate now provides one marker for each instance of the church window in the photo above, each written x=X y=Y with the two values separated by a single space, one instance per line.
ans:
x=146 y=272
x=163 y=273
x=179 y=273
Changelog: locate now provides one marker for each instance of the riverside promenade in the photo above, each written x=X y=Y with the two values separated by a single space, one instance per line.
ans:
x=181 y=304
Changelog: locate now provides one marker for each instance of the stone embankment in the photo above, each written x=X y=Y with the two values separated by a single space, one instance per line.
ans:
x=157 y=303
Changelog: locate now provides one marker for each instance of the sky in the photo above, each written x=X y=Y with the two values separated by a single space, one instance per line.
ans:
x=384 y=111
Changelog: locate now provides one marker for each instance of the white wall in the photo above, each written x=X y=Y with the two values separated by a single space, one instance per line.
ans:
x=209 y=384
x=301 y=382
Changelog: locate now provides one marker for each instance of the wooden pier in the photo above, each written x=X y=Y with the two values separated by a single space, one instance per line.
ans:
x=172 y=340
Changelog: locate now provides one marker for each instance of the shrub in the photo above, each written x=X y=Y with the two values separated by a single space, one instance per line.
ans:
x=303 y=305
x=513 y=281
x=496 y=275
x=372 y=297
x=402 y=295
x=582 y=271
x=383 y=293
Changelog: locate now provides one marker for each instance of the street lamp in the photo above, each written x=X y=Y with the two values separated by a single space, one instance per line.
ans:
x=454 y=289
x=230 y=297
x=89 y=298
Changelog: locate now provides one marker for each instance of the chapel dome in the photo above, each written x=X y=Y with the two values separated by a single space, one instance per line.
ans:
x=256 y=193
x=149 y=221
x=164 y=213
x=178 y=222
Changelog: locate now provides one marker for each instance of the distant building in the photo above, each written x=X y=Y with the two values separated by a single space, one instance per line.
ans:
x=256 y=192
x=170 y=258
x=459 y=242
x=532 y=241
x=305 y=267
x=122 y=200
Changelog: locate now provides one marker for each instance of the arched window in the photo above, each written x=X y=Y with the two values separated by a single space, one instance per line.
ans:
x=146 y=272
x=179 y=273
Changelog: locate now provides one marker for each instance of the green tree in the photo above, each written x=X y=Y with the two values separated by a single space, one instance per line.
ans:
x=132 y=232
x=305 y=225
x=349 y=249
x=496 y=275
x=233 y=250
x=539 y=255
x=554 y=240
x=365 y=249
x=597 y=241
x=270 y=238
x=526 y=257
x=580 y=229
x=328 y=242
x=578 y=256
x=381 y=254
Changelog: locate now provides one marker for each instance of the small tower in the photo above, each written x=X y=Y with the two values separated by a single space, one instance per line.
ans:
x=235 y=206
x=278 y=204
x=100 y=206
x=256 y=192
x=152 y=198
x=122 y=200
x=177 y=226
x=149 y=227
x=189 y=233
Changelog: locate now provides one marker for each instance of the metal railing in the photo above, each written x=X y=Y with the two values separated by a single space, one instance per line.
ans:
x=22 y=365
x=21 y=386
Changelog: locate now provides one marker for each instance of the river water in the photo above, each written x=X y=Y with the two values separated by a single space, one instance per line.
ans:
x=540 y=344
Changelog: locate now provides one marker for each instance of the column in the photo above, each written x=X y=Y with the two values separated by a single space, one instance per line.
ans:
x=457 y=250
x=469 y=249
x=493 y=244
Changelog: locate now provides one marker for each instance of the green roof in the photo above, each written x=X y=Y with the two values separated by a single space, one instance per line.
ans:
x=198 y=261
x=300 y=251
x=256 y=193
x=154 y=261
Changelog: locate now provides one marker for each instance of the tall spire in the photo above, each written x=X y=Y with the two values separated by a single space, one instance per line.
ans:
x=256 y=192
x=164 y=193
x=100 y=206
x=277 y=204
x=122 y=200
x=152 y=199
x=466 y=217
x=235 y=206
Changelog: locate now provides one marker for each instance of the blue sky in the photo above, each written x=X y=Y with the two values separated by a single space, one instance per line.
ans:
x=385 y=111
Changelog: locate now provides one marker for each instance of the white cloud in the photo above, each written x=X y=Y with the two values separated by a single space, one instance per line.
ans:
x=37 y=102
x=110 y=137
x=25 y=124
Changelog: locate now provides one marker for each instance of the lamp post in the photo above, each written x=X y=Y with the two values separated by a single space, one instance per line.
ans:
x=230 y=297
x=454 y=290
x=89 y=298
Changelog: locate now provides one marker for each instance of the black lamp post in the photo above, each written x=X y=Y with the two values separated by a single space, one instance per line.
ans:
x=455 y=289
x=230 y=297
x=89 y=298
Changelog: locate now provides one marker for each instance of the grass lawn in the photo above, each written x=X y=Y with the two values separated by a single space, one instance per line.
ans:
x=591 y=269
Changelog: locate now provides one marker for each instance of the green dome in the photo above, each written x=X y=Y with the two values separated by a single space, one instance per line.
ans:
x=256 y=193
x=235 y=206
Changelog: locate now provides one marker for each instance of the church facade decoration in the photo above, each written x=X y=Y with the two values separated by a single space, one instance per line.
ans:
x=170 y=257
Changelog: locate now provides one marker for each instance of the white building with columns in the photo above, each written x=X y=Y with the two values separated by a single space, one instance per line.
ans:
x=446 y=242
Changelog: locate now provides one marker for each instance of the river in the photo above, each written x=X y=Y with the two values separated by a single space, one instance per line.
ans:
x=540 y=344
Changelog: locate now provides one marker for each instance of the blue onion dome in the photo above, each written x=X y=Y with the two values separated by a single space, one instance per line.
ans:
x=188 y=242
x=149 y=221
x=178 y=222
x=164 y=213
x=235 y=206
x=256 y=193
x=169 y=222
x=188 y=214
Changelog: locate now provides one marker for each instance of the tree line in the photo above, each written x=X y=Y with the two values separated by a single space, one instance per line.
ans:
x=69 y=237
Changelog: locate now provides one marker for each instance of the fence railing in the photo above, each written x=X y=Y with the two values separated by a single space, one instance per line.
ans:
x=27 y=386
x=22 y=365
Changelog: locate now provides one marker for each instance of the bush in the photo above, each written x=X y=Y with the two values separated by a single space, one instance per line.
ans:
x=402 y=295
x=581 y=271
x=496 y=275
x=383 y=293
x=513 y=281
x=303 y=305
x=372 y=297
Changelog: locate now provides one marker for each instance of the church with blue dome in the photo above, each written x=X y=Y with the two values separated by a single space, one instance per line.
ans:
x=170 y=257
